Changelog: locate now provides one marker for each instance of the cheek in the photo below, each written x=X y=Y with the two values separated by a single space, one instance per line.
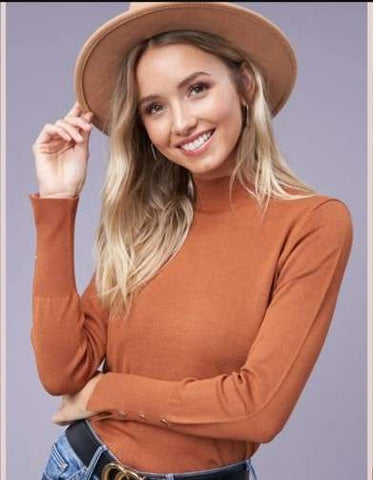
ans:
x=226 y=109
x=157 y=133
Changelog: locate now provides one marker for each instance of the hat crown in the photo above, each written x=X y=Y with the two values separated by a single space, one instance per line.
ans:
x=135 y=6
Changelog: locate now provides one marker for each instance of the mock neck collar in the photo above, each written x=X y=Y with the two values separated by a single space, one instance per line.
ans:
x=212 y=196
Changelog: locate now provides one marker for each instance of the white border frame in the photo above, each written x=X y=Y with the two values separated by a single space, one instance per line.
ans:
x=3 y=244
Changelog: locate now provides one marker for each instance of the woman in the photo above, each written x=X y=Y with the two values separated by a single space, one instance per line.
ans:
x=217 y=269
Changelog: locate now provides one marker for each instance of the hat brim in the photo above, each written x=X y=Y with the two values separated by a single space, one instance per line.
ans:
x=100 y=58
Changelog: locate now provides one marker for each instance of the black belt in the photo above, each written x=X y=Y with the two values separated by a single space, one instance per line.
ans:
x=85 y=444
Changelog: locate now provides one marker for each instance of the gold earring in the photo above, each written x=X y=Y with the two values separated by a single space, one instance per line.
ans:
x=245 y=115
x=153 y=151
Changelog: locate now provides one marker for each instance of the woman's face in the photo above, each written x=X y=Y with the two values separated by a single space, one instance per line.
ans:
x=185 y=104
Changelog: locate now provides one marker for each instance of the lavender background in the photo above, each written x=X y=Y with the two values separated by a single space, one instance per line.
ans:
x=322 y=133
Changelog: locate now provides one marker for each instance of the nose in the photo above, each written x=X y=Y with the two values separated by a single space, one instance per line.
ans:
x=182 y=120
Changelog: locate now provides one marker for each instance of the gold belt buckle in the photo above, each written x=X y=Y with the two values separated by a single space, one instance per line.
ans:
x=122 y=473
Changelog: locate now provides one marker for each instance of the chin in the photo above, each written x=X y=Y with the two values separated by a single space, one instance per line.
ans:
x=202 y=167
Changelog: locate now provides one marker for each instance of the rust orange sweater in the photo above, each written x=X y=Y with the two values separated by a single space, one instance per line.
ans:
x=220 y=343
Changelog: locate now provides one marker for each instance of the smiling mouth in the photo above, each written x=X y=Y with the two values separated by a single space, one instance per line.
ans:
x=199 y=143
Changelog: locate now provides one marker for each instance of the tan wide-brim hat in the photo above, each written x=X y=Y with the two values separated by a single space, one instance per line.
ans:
x=99 y=60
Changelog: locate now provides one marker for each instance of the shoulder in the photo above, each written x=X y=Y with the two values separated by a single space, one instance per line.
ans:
x=316 y=231
x=329 y=211
x=323 y=216
x=318 y=207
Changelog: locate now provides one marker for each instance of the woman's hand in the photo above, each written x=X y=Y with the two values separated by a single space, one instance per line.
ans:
x=61 y=154
x=73 y=407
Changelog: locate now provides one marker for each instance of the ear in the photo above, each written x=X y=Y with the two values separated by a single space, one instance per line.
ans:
x=248 y=81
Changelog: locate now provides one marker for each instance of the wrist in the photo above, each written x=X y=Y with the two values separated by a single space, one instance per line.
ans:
x=57 y=195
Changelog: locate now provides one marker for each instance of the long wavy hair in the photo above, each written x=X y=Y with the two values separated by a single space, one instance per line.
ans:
x=148 y=202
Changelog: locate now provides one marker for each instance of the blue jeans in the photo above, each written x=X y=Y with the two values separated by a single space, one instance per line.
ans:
x=64 y=464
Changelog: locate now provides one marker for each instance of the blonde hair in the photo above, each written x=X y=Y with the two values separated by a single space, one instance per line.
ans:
x=148 y=203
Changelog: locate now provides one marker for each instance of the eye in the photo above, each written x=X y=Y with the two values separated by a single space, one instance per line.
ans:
x=149 y=109
x=201 y=85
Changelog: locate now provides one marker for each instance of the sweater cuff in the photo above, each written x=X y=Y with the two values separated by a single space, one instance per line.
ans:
x=132 y=396
x=54 y=220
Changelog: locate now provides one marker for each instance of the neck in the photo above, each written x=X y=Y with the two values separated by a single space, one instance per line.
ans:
x=212 y=195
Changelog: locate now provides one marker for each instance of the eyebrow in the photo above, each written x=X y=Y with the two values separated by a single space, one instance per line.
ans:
x=186 y=80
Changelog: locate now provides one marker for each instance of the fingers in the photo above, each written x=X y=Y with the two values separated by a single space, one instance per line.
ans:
x=72 y=127
x=73 y=119
x=55 y=419
x=72 y=124
x=50 y=131
x=76 y=110
x=88 y=116
x=79 y=122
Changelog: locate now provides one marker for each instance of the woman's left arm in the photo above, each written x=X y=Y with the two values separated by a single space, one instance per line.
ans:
x=254 y=403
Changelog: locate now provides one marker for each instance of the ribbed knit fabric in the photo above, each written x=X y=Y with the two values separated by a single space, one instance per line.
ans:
x=220 y=343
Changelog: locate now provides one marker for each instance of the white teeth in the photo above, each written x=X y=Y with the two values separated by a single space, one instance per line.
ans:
x=198 y=142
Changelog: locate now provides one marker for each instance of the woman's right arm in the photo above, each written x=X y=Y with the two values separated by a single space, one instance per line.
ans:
x=69 y=331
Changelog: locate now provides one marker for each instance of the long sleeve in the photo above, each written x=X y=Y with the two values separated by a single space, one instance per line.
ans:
x=68 y=333
x=254 y=403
